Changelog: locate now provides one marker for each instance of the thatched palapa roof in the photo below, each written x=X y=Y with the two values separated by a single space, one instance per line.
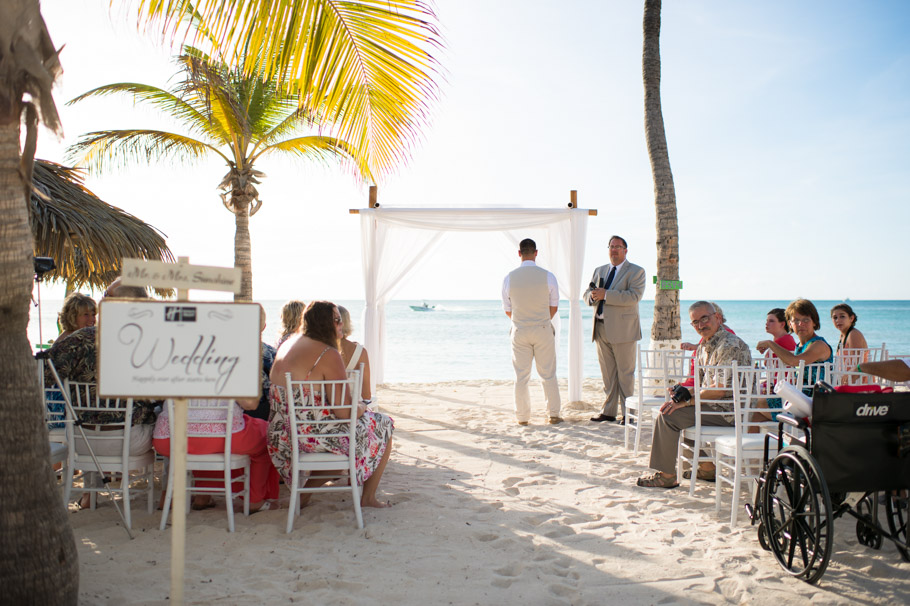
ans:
x=86 y=237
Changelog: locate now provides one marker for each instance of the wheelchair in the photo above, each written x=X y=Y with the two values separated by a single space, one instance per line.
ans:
x=854 y=443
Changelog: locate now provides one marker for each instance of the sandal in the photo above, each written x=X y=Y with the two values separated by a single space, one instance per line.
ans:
x=658 y=480
x=708 y=475
x=267 y=506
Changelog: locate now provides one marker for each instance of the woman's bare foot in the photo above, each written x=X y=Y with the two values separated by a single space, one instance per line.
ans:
x=374 y=502
x=86 y=501
x=304 y=499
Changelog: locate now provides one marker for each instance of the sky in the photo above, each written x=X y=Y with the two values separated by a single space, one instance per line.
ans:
x=788 y=127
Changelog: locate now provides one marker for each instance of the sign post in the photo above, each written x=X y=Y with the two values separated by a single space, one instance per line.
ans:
x=159 y=349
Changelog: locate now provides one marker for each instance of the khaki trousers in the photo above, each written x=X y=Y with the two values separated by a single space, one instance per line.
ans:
x=536 y=343
x=664 y=445
x=617 y=367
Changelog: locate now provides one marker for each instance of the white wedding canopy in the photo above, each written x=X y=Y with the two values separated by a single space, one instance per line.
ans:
x=395 y=241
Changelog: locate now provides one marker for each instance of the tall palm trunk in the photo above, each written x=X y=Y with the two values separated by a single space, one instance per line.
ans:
x=243 y=251
x=38 y=558
x=666 y=329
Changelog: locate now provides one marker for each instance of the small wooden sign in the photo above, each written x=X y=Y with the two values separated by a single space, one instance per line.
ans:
x=178 y=349
x=139 y=272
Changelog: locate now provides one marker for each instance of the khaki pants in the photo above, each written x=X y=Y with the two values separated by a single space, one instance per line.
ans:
x=666 y=435
x=617 y=367
x=536 y=343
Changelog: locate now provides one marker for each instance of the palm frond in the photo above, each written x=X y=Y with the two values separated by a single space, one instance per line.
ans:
x=86 y=237
x=121 y=147
x=366 y=63
x=193 y=117
x=313 y=147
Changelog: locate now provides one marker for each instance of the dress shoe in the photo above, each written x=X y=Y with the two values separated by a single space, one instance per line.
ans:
x=622 y=421
x=555 y=420
x=602 y=417
x=522 y=422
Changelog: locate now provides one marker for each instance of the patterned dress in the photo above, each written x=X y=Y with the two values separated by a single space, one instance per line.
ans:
x=372 y=434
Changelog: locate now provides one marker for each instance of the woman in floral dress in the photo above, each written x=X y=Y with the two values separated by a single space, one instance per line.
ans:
x=314 y=355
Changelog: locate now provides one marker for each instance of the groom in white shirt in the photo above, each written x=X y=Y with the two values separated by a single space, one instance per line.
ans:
x=530 y=297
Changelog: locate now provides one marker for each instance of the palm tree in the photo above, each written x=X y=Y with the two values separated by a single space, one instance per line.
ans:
x=38 y=560
x=369 y=56
x=236 y=117
x=666 y=327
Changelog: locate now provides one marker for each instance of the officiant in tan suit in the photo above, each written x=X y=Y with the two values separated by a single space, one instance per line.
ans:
x=530 y=297
x=615 y=290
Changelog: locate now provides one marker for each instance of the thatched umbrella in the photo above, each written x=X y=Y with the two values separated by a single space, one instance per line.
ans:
x=86 y=237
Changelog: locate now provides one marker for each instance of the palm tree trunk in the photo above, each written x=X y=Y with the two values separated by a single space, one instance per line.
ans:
x=243 y=251
x=666 y=326
x=38 y=558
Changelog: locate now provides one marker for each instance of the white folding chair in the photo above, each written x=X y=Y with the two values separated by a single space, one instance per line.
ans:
x=307 y=406
x=110 y=436
x=849 y=357
x=220 y=414
x=657 y=370
x=701 y=436
x=739 y=457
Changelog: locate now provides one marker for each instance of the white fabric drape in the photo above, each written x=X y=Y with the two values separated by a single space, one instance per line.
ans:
x=395 y=241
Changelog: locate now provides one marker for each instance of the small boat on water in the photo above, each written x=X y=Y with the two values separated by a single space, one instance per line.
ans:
x=424 y=307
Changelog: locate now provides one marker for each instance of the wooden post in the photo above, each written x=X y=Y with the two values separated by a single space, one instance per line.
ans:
x=374 y=194
x=178 y=469
x=573 y=198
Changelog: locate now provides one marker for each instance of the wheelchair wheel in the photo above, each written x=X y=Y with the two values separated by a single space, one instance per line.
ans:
x=897 y=509
x=867 y=533
x=796 y=513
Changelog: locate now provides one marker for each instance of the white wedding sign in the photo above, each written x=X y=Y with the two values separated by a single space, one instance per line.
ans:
x=179 y=349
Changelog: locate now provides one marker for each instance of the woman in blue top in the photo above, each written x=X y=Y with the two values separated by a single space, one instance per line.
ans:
x=812 y=349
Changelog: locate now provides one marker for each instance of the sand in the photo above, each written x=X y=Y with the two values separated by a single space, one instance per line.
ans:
x=485 y=512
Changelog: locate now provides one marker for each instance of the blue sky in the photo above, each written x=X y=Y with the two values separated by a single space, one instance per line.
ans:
x=788 y=125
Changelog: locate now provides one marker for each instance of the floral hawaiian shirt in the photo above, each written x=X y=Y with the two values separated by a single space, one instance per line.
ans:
x=722 y=349
x=75 y=359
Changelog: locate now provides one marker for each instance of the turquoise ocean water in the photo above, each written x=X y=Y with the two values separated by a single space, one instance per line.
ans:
x=463 y=340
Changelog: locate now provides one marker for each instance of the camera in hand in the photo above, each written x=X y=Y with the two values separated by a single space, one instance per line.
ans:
x=680 y=394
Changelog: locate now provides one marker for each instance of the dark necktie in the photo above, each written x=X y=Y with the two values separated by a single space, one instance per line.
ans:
x=600 y=306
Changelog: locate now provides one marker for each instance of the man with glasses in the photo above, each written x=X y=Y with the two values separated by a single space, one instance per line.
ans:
x=717 y=348
x=530 y=297
x=615 y=290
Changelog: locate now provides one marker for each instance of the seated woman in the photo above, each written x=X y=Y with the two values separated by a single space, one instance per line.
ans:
x=248 y=436
x=314 y=355
x=354 y=354
x=291 y=319
x=776 y=326
x=78 y=312
x=845 y=321
x=75 y=358
x=812 y=349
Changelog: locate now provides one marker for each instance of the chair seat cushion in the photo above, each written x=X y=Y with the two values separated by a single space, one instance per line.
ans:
x=632 y=401
x=708 y=431
x=209 y=462
x=58 y=452
x=752 y=444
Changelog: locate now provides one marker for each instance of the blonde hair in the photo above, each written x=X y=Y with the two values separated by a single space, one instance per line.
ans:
x=73 y=306
x=291 y=317
x=346 y=327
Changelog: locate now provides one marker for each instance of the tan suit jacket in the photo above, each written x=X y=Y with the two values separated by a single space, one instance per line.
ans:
x=621 y=320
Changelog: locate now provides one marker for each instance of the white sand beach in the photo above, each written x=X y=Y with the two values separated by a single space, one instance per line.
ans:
x=485 y=512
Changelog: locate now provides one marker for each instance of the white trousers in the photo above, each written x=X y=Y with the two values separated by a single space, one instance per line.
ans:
x=537 y=343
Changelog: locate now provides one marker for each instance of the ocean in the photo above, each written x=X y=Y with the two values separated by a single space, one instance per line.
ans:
x=464 y=340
